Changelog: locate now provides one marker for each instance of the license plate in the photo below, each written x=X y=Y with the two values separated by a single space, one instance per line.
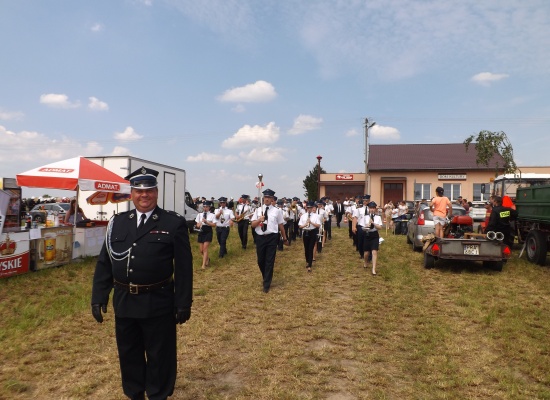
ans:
x=471 y=249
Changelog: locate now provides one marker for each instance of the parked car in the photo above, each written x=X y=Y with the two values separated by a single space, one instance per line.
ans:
x=39 y=212
x=422 y=224
x=477 y=211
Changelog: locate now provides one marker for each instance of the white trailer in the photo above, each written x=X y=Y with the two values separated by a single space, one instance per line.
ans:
x=173 y=194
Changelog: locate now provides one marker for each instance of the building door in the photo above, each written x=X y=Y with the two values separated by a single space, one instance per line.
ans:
x=343 y=191
x=393 y=191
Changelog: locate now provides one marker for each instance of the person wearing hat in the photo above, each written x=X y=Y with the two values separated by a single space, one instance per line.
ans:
x=357 y=228
x=224 y=220
x=322 y=231
x=242 y=217
x=309 y=223
x=146 y=258
x=371 y=223
x=442 y=210
x=268 y=222
x=329 y=209
x=204 y=223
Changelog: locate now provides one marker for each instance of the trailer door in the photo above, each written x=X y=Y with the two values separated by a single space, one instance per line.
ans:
x=169 y=198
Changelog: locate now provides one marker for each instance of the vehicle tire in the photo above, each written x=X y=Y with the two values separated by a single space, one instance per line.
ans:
x=39 y=219
x=416 y=248
x=409 y=240
x=429 y=261
x=536 y=247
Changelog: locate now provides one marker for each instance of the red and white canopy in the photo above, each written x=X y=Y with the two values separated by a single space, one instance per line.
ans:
x=72 y=174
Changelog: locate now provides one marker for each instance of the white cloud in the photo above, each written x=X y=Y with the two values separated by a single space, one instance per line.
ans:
x=10 y=115
x=253 y=135
x=258 y=92
x=352 y=132
x=15 y=148
x=97 y=105
x=384 y=132
x=239 y=108
x=97 y=27
x=265 y=154
x=120 y=151
x=305 y=123
x=58 y=101
x=209 y=157
x=486 y=78
x=128 y=135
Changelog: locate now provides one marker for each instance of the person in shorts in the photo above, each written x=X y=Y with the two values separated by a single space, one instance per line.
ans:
x=441 y=208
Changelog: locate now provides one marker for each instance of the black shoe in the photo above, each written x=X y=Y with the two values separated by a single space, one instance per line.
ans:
x=266 y=290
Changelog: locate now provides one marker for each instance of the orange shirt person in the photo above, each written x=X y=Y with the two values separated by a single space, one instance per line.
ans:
x=441 y=208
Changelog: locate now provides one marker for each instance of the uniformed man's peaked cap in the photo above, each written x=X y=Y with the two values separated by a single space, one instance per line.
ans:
x=143 y=178
x=222 y=199
x=268 y=192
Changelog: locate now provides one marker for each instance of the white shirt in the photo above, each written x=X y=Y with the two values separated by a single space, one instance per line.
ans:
x=227 y=217
x=246 y=211
x=367 y=220
x=147 y=215
x=274 y=218
x=313 y=219
x=359 y=213
x=210 y=217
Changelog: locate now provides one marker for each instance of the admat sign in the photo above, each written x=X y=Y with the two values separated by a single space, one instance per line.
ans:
x=14 y=256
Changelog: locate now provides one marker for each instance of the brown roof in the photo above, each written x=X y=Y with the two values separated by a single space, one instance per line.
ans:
x=387 y=157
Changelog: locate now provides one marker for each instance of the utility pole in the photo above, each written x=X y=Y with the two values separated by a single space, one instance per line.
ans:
x=367 y=126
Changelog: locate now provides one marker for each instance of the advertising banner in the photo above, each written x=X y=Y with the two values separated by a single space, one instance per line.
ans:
x=54 y=247
x=14 y=254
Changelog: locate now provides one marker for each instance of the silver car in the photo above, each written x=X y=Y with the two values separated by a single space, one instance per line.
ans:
x=422 y=224
x=477 y=211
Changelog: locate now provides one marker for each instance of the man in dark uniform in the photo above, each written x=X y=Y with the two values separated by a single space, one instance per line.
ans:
x=147 y=258
x=500 y=219
x=268 y=224
x=338 y=211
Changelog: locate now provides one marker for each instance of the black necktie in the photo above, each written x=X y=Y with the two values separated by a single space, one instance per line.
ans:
x=264 y=226
x=142 y=221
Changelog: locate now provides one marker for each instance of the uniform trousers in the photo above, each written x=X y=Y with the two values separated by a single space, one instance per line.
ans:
x=221 y=234
x=242 y=228
x=351 y=234
x=266 y=249
x=338 y=219
x=310 y=238
x=296 y=230
x=328 y=227
x=359 y=242
x=147 y=354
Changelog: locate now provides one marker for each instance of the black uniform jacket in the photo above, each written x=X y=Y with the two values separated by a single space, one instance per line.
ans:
x=161 y=250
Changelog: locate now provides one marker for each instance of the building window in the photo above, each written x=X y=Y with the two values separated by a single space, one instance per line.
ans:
x=478 y=195
x=452 y=190
x=422 y=191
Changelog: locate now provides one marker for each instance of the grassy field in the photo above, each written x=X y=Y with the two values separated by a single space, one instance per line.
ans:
x=457 y=331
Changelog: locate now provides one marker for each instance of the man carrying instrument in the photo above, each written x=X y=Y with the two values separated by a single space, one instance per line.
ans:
x=243 y=212
x=224 y=220
x=147 y=258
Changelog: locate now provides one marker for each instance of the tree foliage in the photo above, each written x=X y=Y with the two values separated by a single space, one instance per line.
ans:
x=310 y=183
x=488 y=144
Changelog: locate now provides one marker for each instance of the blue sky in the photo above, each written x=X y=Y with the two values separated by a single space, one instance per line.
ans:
x=228 y=89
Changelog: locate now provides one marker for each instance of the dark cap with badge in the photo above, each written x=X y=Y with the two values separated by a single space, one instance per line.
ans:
x=310 y=204
x=268 y=193
x=207 y=203
x=143 y=178
x=372 y=204
x=222 y=199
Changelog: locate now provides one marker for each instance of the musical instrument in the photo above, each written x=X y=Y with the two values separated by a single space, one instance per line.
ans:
x=222 y=216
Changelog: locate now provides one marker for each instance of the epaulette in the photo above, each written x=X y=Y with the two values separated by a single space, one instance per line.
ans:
x=175 y=214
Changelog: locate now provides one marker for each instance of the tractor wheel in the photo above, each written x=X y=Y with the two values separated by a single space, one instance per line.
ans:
x=536 y=247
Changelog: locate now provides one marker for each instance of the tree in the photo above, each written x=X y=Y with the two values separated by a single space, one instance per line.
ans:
x=310 y=183
x=488 y=144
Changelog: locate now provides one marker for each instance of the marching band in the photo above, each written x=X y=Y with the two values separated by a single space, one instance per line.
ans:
x=309 y=220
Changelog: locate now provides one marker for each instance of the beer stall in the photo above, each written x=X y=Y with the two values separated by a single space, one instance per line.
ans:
x=31 y=248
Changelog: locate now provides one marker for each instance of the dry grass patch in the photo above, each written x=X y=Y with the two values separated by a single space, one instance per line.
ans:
x=457 y=331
